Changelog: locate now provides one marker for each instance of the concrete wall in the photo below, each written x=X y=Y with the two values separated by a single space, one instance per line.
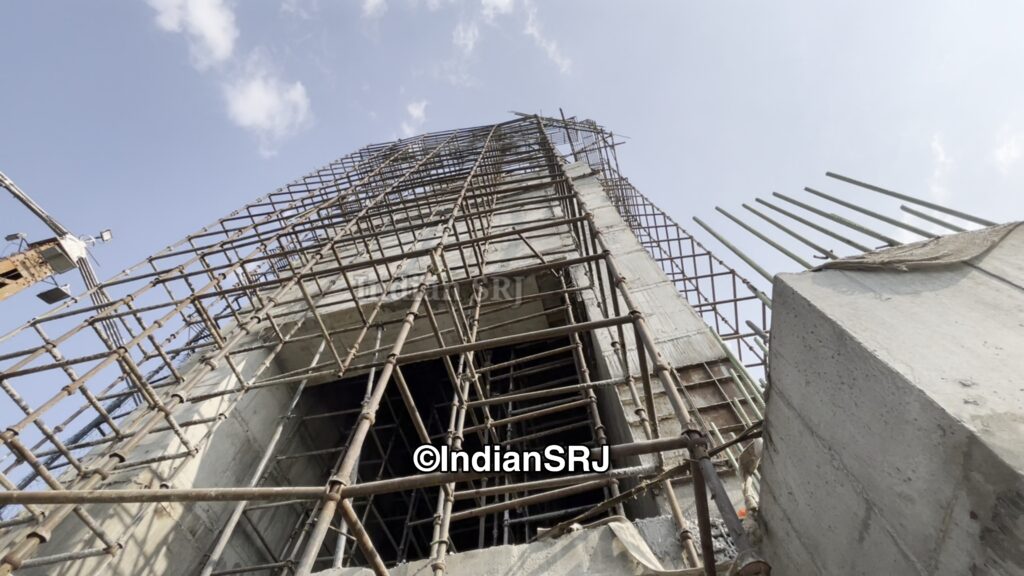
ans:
x=682 y=338
x=894 y=420
x=172 y=538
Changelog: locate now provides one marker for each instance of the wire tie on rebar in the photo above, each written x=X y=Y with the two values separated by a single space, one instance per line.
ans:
x=697 y=439
x=181 y=398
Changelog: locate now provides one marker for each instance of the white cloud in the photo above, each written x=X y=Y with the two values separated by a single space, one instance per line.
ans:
x=209 y=26
x=1008 y=152
x=304 y=9
x=494 y=8
x=456 y=73
x=942 y=164
x=374 y=8
x=417 y=112
x=260 y=102
x=257 y=100
x=465 y=36
x=549 y=46
x=938 y=191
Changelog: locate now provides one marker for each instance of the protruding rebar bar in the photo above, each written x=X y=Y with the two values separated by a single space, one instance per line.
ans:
x=911 y=199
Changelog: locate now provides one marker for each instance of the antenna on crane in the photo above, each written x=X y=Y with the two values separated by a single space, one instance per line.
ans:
x=41 y=261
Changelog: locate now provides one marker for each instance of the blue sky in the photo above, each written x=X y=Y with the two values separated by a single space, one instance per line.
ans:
x=155 y=117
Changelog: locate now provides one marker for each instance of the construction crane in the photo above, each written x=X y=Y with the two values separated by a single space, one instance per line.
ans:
x=41 y=260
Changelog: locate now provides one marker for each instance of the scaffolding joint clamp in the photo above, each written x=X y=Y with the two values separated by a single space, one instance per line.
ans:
x=43 y=534
x=98 y=472
x=750 y=563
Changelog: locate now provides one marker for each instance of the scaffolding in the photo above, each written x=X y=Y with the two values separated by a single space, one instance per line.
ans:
x=380 y=299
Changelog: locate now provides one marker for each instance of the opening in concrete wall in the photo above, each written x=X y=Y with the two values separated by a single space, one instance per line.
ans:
x=403 y=522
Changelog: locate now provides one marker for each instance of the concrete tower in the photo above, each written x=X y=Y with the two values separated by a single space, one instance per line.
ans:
x=256 y=398
x=499 y=286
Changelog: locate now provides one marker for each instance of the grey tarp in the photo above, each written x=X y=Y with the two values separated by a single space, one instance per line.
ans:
x=941 y=251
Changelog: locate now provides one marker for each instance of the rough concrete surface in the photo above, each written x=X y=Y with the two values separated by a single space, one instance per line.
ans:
x=894 y=421
x=682 y=337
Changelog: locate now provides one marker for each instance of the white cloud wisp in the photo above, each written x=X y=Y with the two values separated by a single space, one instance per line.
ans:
x=417 y=112
x=549 y=46
x=257 y=100
x=1008 y=152
x=208 y=25
x=374 y=8
x=465 y=36
x=271 y=109
x=494 y=8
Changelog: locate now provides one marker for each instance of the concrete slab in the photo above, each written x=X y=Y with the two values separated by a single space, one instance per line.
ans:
x=894 y=420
